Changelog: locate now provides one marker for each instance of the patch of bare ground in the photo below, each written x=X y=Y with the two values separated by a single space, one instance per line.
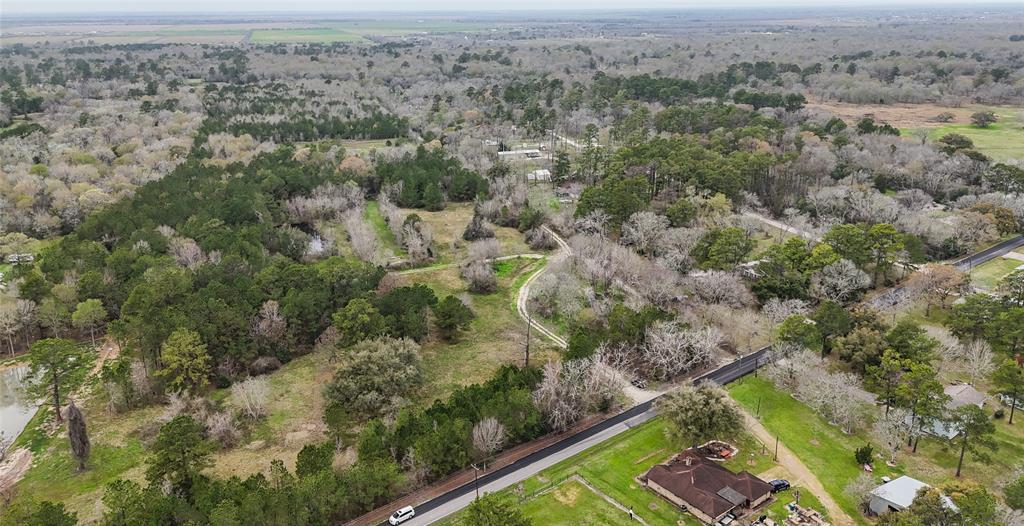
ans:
x=898 y=115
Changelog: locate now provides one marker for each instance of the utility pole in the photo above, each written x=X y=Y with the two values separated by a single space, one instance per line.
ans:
x=476 y=482
x=776 y=457
x=529 y=326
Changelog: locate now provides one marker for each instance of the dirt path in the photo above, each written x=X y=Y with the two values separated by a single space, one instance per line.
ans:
x=13 y=468
x=781 y=226
x=524 y=292
x=108 y=350
x=801 y=475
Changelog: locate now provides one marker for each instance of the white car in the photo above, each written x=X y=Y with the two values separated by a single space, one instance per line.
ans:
x=401 y=515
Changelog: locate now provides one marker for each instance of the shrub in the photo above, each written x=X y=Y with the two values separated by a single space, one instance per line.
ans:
x=864 y=455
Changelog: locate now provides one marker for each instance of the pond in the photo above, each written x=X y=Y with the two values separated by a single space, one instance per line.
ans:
x=15 y=409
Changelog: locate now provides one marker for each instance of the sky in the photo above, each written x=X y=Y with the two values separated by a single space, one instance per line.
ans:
x=29 y=6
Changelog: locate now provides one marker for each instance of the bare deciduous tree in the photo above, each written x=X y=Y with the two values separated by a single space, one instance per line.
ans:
x=251 y=396
x=489 y=436
x=362 y=238
x=643 y=230
x=892 y=431
x=839 y=281
x=670 y=350
x=937 y=283
x=481 y=276
x=569 y=390
x=10 y=324
x=720 y=287
x=270 y=323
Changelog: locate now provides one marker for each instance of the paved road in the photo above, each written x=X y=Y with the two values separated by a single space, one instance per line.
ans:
x=896 y=294
x=440 y=507
x=967 y=263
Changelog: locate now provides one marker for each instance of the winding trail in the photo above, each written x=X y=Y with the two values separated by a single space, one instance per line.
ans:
x=524 y=292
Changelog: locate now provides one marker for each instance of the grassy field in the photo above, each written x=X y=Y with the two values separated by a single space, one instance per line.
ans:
x=496 y=336
x=767 y=237
x=822 y=447
x=572 y=503
x=989 y=274
x=448 y=226
x=262 y=32
x=1001 y=141
x=384 y=234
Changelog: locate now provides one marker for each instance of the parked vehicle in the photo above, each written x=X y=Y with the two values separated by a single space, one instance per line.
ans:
x=401 y=515
x=779 y=485
x=728 y=519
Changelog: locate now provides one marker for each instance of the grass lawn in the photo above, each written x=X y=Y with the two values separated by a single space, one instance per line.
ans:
x=991 y=272
x=935 y=461
x=777 y=510
x=573 y=504
x=823 y=448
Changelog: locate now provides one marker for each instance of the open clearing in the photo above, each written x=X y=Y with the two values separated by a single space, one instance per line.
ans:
x=496 y=336
x=572 y=503
x=448 y=226
x=1001 y=141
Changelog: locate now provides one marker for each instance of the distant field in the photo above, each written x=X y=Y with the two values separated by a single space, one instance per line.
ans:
x=262 y=36
x=1001 y=141
x=267 y=32
x=399 y=28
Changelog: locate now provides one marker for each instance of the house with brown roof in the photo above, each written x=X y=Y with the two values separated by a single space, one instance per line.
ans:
x=705 y=488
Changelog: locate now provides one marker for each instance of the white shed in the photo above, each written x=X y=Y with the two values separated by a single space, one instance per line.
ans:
x=899 y=494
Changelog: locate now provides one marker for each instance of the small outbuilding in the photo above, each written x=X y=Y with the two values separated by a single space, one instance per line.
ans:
x=899 y=494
